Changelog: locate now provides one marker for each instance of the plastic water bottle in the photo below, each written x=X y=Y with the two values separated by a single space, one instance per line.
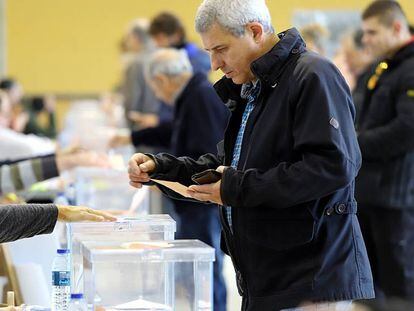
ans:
x=61 y=281
x=70 y=194
x=77 y=303
x=61 y=199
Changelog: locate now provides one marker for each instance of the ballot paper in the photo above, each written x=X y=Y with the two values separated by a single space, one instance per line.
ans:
x=141 y=304
x=175 y=186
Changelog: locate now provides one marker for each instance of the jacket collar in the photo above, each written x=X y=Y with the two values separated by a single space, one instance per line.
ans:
x=407 y=51
x=266 y=68
x=196 y=79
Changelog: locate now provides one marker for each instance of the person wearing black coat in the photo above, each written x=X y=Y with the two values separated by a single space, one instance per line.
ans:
x=288 y=160
x=385 y=184
x=198 y=125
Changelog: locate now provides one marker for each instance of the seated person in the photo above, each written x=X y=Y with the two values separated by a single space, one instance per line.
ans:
x=14 y=93
x=41 y=112
x=22 y=173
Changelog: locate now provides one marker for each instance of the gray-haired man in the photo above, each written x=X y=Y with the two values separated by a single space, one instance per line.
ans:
x=289 y=160
x=198 y=125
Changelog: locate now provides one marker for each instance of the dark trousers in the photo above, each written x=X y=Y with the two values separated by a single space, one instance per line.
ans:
x=201 y=221
x=389 y=238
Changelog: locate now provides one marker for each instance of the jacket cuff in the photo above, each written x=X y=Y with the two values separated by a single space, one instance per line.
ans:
x=155 y=172
x=49 y=167
x=54 y=213
x=230 y=187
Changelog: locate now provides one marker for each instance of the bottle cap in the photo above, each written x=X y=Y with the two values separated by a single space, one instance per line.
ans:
x=63 y=251
x=76 y=296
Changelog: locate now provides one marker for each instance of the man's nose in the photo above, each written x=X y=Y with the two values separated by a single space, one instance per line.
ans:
x=216 y=62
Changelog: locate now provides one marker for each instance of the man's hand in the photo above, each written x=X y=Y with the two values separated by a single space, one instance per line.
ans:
x=120 y=140
x=208 y=192
x=80 y=213
x=139 y=168
x=144 y=120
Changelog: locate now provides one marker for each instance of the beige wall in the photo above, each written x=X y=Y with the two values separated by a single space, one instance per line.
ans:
x=70 y=46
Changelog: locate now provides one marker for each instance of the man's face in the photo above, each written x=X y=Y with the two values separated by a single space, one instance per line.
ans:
x=133 y=43
x=378 y=38
x=232 y=55
x=161 y=40
x=356 y=58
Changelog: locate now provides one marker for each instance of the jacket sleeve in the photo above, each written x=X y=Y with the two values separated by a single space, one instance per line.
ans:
x=159 y=136
x=181 y=169
x=397 y=137
x=325 y=147
x=26 y=220
x=21 y=175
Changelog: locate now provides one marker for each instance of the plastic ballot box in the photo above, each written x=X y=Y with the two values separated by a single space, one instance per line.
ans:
x=104 y=189
x=145 y=228
x=148 y=275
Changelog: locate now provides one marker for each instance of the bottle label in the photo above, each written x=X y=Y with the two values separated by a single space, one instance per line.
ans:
x=61 y=278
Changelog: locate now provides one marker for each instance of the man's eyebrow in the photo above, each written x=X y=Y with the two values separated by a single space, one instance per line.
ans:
x=215 y=47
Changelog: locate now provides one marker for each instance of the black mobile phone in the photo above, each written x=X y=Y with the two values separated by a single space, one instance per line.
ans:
x=206 y=177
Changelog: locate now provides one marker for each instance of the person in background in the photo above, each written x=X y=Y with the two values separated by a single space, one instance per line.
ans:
x=358 y=62
x=385 y=127
x=198 y=125
x=315 y=36
x=14 y=92
x=167 y=30
x=20 y=174
x=138 y=97
x=41 y=111
x=5 y=110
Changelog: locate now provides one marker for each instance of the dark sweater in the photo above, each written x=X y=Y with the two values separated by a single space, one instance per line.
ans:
x=20 y=221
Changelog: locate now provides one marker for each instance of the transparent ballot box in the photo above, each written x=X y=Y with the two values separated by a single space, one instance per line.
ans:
x=152 y=275
x=144 y=228
x=104 y=189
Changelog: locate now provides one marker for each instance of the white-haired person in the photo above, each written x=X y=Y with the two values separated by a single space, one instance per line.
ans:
x=198 y=125
x=288 y=161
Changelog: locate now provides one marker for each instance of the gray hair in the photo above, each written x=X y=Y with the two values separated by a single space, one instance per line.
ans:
x=233 y=15
x=139 y=29
x=170 y=62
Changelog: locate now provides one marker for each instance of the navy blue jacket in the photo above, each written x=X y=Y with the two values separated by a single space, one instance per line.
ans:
x=386 y=136
x=295 y=236
x=198 y=123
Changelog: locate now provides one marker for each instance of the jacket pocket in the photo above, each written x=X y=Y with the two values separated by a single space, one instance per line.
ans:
x=282 y=232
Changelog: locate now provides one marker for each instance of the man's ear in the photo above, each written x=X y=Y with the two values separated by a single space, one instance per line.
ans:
x=256 y=31
x=160 y=80
x=397 y=27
